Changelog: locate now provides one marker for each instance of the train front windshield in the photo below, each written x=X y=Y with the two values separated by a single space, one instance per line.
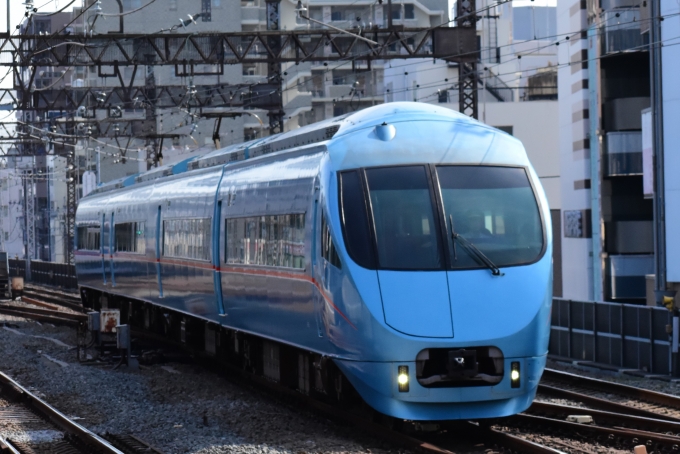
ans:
x=406 y=217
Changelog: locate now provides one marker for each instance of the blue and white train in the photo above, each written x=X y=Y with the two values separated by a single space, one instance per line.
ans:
x=405 y=250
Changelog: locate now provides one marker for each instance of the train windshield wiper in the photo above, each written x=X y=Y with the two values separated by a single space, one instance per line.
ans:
x=472 y=250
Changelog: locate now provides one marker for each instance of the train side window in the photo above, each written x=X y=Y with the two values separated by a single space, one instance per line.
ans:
x=129 y=237
x=89 y=238
x=187 y=238
x=328 y=250
x=354 y=215
x=277 y=240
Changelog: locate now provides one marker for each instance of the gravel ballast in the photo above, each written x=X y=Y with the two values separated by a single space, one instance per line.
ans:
x=175 y=407
x=180 y=407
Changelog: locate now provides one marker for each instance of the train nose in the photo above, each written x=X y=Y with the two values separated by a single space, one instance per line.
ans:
x=417 y=302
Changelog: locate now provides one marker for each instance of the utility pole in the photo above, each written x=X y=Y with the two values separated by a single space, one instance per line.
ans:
x=466 y=17
x=657 y=128
x=274 y=65
x=72 y=176
x=29 y=218
x=153 y=157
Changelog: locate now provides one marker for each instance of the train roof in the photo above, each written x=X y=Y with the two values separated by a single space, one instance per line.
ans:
x=323 y=131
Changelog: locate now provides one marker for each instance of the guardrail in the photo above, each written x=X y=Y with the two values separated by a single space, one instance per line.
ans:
x=622 y=335
x=47 y=273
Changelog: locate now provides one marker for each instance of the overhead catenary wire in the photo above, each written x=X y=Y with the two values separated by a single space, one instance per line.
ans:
x=459 y=55
x=555 y=43
x=419 y=70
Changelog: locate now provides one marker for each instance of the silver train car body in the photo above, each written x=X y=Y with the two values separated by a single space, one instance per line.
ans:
x=350 y=238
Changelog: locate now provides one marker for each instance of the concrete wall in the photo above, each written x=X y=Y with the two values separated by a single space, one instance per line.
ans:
x=574 y=149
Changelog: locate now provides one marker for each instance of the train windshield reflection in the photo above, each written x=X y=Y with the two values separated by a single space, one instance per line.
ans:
x=495 y=209
x=492 y=207
x=405 y=228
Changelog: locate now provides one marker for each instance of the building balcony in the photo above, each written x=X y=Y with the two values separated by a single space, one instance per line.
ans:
x=301 y=101
x=621 y=32
x=253 y=15
x=629 y=237
x=626 y=275
x=623 y=153
x=338 y=91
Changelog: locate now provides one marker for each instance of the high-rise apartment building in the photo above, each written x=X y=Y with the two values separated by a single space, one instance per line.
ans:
x=618 y=105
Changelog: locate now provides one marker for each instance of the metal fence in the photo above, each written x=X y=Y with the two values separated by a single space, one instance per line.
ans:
x=47 y=273
x=622 y=335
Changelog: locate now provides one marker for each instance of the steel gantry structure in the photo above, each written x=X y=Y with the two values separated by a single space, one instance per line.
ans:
x=190 y=54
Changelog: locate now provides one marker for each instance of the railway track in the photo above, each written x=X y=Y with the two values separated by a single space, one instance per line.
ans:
x=623 y=416
x=46 y=305
x=603 y=413
x=33 y=293
x=29 y=425
x=450 y=437
x=610 y=396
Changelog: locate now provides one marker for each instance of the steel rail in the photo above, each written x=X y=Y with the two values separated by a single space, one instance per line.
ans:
x=54 y=307
x=75 y=297
x=634 y=436
x=514 y=442
x=6 y=447
x=603 y=404
x=90 y=439
x=604 y=417
x=47 y=312
x=30 y=296
x=21 y=312
x=618 y=388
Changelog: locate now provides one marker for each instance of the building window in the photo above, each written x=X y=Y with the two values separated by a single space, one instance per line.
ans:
x=187 y=238
x=43 y=26
x=277 y=240
x=443 y=96
x=88 y=238
x=130 y=237
x=217 y=3
x=206 y=15
x=396 y=12
x=336 y=14
x=409 y=11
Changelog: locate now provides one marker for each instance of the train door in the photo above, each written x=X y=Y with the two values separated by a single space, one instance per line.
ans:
x=102 y=229
x=317 y=265
x=112 y=246
x=159 y=234
x=217 y=238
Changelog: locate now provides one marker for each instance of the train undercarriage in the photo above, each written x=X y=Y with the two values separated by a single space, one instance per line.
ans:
x=309 y=373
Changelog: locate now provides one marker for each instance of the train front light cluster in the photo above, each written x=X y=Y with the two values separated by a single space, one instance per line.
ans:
x=515 y=374
x=402 y=379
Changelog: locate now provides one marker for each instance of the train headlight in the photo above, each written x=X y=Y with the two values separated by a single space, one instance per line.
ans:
x=402 y=379
x=514 y=374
